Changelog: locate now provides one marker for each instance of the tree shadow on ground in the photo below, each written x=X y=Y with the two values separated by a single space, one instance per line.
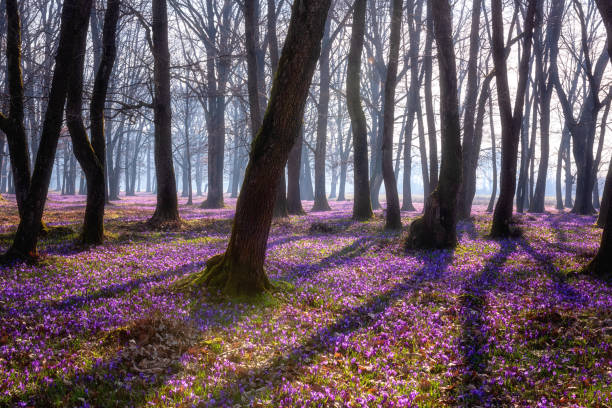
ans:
x=79 y=301
x=343 y=256
x=566 y=291
x=290 y=365
x=474 y=337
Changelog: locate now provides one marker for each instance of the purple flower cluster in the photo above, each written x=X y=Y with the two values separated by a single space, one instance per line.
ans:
x=363 y=323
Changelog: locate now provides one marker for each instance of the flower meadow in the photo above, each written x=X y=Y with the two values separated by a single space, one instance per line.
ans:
x=356 y=321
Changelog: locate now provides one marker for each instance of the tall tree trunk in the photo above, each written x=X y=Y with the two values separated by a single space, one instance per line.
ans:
x=601 y=265
x=429 y=108
x=414 y=31
x=493 y=157
x=239 y=271
x=423 y=152
x=91 y=154
x=166 y=209
x=511 y=121
x=320 y=196
x=464 y=200
x=600 y=144
x=294 y=164
x=362 y=206
x=74 y=21
x=306 y=187
x=437 y=227
x=545 y=89
x=280 y=204
x=393 y=217
x=521 y=190
x=13 y=126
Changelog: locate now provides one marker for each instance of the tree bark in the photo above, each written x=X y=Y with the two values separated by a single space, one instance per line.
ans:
x=74 y=21
x=429 y=108
x=437 y=227
x=294 y=163
x=413 y=103
x=166 y=209
x=320 y=195
x=362 y=205
x=392 y=218
x=13 y=126
x=465 y=200
x=493 y=158
x=239 y=271
x=511 y=122
x=91 y=155
x=545 y=89
x=603 y=260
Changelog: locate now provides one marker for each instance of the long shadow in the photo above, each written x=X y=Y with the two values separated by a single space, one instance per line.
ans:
x=342 y=256
x=287 y=366
x=110 y=291
x=566 y=291
x=474 y=331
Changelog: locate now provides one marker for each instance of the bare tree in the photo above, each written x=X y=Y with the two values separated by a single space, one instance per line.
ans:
x=239 y=271
x=511 y=121
x=362 y=206
x=393 y=218
x=437 y=227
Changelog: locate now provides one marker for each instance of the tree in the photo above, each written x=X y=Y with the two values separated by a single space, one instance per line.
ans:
x=582 y=130
x=544 y=89
x=320 y=196
x=362 y=205
x=74 y=21
x=601 y=265
x=469 y=154
x=393 y=218
x=510 y=121
x=413 y=104
x=280 y=204
x=239 y=271
x=91 y=154
x=294 y=163
x=166 y=209
x=13 y=124
x=437 y=227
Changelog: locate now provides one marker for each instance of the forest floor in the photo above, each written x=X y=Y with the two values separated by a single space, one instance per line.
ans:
x=360 y=321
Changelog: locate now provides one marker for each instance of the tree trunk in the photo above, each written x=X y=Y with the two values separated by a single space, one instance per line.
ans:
x=280 y=204
x=429 y=108
x=465 y=200
x=393 y=217
x=511 y=122
x=437 y=227
x=13 y=126
x=306 y=188
x=91 y=154
x=413 y=103
x=74 y=21
x=294 y=163
x=493 y=157
x=545 y=89
x=603 y=261
x=362 y=206
x=320 y=196
x=166 y=209
x=423 y=152
x=239 y=271
x=521 y=190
